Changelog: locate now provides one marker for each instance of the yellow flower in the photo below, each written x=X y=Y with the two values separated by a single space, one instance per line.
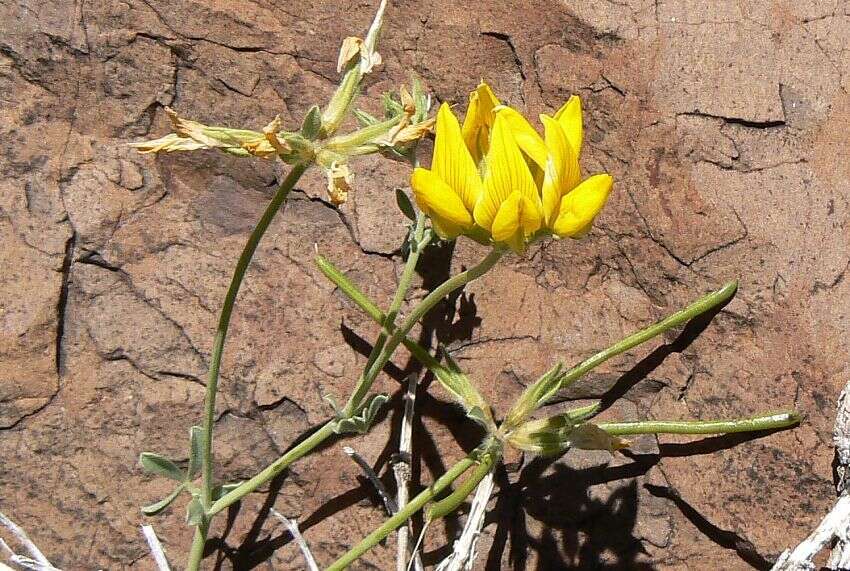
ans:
x=449 y=191
x=497 y=177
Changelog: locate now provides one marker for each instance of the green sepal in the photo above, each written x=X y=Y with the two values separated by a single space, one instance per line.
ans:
x=196 y=452
x=534 y=397
x=156 y=464
x=360 y=423
x=557 y=434
x=459 y=385
x=195 y=513
x=157 y=507
x=312 y=124
x=404 y=204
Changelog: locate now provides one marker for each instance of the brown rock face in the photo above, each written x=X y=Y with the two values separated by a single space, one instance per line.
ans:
x=724 y=125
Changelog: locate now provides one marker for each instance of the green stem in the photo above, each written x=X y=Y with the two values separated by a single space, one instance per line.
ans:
x=402 y=516
x=198 y=544
x=365 y=381
x=273 y=469
x=404 y=282
x=447 y=505
x=752 y=424
x=421 y=237
x=347 y=287
x=699 y=307
x=218 y=348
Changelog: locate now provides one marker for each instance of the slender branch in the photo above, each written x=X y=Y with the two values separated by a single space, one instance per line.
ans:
x=156 y=548
x=248 y=251
x=699 y=307
x=401 y=469
x=292 y=526
x=752 y=424
x=402 y=516
x=432 y=299
x=389 y=503
x=274 y=468
x=356 y=295
x=423 y=236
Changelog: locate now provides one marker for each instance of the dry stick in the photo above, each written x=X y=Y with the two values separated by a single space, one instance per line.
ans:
x=292 y=526
x=836 y=524
x=401 y=469
x=156 y=548
x=463 y=552
x=38 y=561
x=389 y=504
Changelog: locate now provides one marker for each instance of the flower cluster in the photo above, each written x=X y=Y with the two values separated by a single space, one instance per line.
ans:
x=496 y=179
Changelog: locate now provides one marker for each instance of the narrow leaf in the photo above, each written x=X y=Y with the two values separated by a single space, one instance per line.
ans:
x=196 y=451
x=157 y=507
x=156 y=464
x=404 y=204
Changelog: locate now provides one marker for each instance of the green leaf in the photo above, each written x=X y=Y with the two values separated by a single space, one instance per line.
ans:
x=224 y=489
x=392 y=108
x=195 y=512
x=361 y=422
x=196 y=452
x=156 y=464
x=404 y=204
x=312 y=124
x=157 y=507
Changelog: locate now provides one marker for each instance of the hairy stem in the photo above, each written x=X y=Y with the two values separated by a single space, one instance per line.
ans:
x=422 y=237
x=752 y=424
x=699 y=307
x=432 y=299
x=218 y=348
x=402 y=516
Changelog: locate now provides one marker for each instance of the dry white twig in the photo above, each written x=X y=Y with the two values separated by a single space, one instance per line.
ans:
x=389 y=503
x=401 y=469
x=37 y=561
x=463 y=552
x=836 y=524
x=292 y=526
x=156 y=548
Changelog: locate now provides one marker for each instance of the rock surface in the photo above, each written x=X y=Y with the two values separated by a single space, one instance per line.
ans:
x=725 y=127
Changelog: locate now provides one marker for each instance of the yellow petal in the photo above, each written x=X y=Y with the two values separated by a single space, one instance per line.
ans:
x=507 y=220
x=530 y=216
x=562 y=169
x=569 y=116
x=437 y=199
x=581 y=205
x=526 y=137
x=507 y=172
x=479 y=121
x=452 y=161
